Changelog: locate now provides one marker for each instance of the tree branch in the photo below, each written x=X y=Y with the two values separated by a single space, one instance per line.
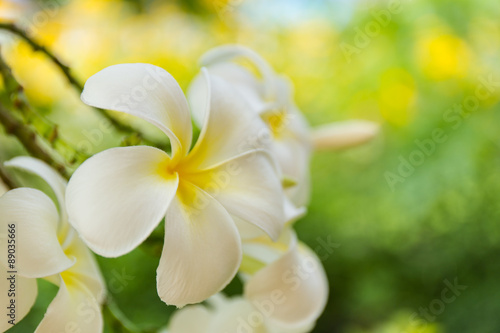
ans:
x=48 y=130
x=66 y=71
x=28 y=138
x=37 y=47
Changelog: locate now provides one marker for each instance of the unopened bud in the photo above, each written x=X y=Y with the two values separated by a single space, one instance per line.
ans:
x=345 y=134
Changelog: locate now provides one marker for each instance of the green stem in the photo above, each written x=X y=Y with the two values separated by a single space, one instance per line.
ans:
x=118 y=320
x=9 y=182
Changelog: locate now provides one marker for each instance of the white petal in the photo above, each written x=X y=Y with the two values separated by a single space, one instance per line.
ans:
x=293 y=213
x=86 y=267
x=266 y=251
x=298 y=124
x=74 y=309
x=233 y=52
x=249 y=188
x=295 y=284
x=230 y=129
x=274 y=327
x=291 y=125
x=283 y=91
x=145 y=91
x=238 y=315
x=38 y=252
x=238 y=77
x=202 y=250
x=116 y=198
x=25 y=295
x=44 y=171
x=230 y=315
x=343 y=134
x=216 y=300
x=246 y=229
x=300 y=194
x=293 y=158
x=191 y=319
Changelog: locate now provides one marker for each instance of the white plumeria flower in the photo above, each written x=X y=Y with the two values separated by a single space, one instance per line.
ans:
x=285 y=280
x=46 y=246
x=286 y=290
x=119 y=196
x=271 y=96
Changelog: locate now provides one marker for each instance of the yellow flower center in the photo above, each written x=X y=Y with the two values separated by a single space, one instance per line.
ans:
x=277 y=120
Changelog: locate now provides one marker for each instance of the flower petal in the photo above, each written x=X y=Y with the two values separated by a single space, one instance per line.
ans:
x=191 y=319
x=274 y=327
x=345 y=134
x=26 y=292
x=230 y=128
x=249 y=188
x=202 y=250
x=38 y=252
x=44 y=171
x=232 y=52
x=293 y=158
x=145 y=91
x=85 y=267
x=237 y=315
x=263 y=250
x=74 y=309
x=246 y=229
x=238 y=77
x=293 y=213
x=116 y=198
x=300 y=279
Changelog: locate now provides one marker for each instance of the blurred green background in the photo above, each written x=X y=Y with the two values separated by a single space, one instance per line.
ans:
x=410 y=212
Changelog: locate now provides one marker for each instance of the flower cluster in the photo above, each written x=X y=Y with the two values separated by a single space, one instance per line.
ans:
x=228 y=201
x=47 y=247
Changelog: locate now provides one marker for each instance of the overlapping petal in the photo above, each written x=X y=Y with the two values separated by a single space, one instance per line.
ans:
x=38 y=252
x=44 y=249
x=238 y=315
x=145 y=91
x=230 y=52
x=293 y=213
x=297 y=123
x=74 y=309
x=25 y=292
x=202 y=249
x=293 y=157
x=230 y=128
x=249 y=188
x=192 y=319
x=229 y=315
x=85 y=267
x=49 y=175
x=272 y=98
x=241 y=79
x=116 y=198
x=300 y=279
